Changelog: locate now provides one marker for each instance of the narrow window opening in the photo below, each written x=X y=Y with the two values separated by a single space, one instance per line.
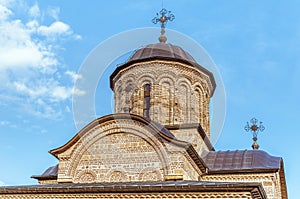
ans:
x=147 y=89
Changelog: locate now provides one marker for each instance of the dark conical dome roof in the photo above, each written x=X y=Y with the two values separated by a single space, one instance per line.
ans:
x=163 y=51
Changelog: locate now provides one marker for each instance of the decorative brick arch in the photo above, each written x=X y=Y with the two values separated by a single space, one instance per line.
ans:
x=86 y=176
x=200 y=102
x=203 y=107
x=151 y=174
x=167 y=84
x=184 y=97
x=167 y=76
x=134 y=128
x=165 y=106
x=148 y=78
x=117 y=175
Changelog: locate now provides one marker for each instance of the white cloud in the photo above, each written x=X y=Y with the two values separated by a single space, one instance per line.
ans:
x=21 y=42
x=31 y=76
x=6 y=2
x=54 y=12
x=4 y=13
x=61 y=93
x=32 y=92
x=43 y=109
x=78 y=92
x=14 y=56
x=2 y=183
x=48 y=88
x=20 y=47
x=67 y=109
x=4 y=123
x=55 y=29
x=73 y=75
x=34 y=11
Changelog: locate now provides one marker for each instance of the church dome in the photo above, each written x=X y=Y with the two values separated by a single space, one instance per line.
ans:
x=162 y=51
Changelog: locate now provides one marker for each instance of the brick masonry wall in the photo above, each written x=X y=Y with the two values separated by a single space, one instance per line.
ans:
x=268 y=180
x=207 y=195
x=123 y=151
x=180 y=94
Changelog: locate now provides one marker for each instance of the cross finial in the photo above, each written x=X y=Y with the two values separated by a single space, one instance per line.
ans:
x=254 y=128
x=163 y=18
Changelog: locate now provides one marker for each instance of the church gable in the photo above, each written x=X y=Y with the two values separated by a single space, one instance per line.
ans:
x=123 y=148
x=107 y=160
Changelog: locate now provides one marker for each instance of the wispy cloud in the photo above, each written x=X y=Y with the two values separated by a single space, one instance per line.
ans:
x=34 y=11
x=73 y=75
x=2 y=183
x=4 y=123
x=31 y=71
x=54 y=12
x=56 y=29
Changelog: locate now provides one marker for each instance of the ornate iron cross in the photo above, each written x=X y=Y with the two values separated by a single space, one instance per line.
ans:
x=254 y=128
x=164 y=18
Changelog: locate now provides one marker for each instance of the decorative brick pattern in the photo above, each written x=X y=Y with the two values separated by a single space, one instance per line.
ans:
x=268 y=180
x=208 y=195
x=180 y=93
x=121 y=151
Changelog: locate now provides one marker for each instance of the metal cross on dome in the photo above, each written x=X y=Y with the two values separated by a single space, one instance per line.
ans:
x=254 y=128
x=164 y=18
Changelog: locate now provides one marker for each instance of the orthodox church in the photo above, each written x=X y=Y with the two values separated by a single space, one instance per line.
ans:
x=157 y=143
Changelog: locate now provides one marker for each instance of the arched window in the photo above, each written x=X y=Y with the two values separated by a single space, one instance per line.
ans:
x=147 y=89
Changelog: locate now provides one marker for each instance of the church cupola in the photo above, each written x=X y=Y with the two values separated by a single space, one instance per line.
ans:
x=162 y=82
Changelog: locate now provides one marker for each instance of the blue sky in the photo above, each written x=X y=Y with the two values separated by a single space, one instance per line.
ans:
x=255 y=45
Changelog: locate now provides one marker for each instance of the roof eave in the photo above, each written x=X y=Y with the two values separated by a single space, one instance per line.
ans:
x=201 y=68
x=255 y=189
x=50 y=177
x=243 y=171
